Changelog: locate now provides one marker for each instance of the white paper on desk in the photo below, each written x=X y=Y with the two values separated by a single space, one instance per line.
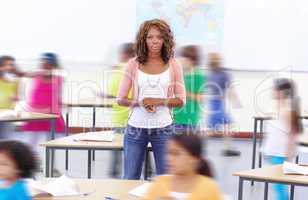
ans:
x=141 y=190
x=8 y=113
x=62 y=186
x=292 y=168
x=99 y=136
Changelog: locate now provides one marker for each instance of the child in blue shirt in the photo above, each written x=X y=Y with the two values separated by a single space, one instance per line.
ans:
x=17 y=161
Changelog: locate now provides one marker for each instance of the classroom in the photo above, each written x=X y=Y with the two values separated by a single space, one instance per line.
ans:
x=153 y=100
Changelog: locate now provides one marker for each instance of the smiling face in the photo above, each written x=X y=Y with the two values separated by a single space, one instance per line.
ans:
x=154 y=41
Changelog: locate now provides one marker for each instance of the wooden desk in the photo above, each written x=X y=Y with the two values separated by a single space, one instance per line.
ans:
x=270 y=174
x=32 y=116
x=70 y=143
x=93 y=103
x=90 y=103
x=117 y=189
x=256 y=120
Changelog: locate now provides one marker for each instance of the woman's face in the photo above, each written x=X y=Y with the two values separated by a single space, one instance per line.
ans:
x=154 y=40
x=179 y=160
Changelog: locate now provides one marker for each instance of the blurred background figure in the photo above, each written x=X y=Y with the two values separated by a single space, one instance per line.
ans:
x=281 y=133
x=189 y=174
x=119 y=115
x=219 y=90
x=17 y=161
x=44 y=96
x=8 y=91
x=187 y=117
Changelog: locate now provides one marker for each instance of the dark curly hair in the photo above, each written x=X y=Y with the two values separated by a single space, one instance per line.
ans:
x=141 y=46
x=23 y=156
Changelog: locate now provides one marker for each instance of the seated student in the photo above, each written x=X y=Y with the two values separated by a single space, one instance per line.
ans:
x=17 y=161
x=189 y=176
x=8 y=91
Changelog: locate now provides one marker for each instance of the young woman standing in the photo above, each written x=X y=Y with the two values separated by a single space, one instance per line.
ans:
x=156 y=81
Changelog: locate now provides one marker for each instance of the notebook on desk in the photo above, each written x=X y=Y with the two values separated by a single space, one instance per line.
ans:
x=99 y=136
x=292 y=168
x=59 y=187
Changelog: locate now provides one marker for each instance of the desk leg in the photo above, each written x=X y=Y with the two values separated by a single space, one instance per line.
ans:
x=66 y=133
x=254 y=140
x=146 y=165
x=52 y=162
x=266 y=191
x=240 y=189
x=89 y=163
x=52 y=130
x=93 y=126
x=260 y=143
x=47 y=160
x=292 y=192
x=297 y=159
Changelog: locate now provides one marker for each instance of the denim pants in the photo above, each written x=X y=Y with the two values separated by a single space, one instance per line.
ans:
x=281 y=191
x=135 y=147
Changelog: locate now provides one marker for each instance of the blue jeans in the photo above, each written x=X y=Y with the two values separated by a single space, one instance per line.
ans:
x=280 y=189
x=218 y=115
x=135 y=147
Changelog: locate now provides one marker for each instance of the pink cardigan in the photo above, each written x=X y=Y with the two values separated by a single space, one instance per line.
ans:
x=176 y=87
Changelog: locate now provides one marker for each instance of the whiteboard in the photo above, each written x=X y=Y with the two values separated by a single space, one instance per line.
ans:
x=266 y=34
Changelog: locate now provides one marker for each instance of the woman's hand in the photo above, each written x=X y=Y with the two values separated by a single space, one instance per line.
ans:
x=152 y=101
x=150 y=104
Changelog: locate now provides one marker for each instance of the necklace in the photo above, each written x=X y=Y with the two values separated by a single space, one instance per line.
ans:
x=154 y=83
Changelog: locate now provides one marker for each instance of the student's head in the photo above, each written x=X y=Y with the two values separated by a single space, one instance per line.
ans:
x=214 y=61
x=17 y=160
x=126 y=52
x=7 y=64
x=283 y=89
x=185 y=155
x=192 y=54
x=154 y=37
x=49 y=61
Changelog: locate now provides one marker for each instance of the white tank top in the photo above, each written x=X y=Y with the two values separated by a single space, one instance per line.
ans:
x=155 y=86
x=277 y=135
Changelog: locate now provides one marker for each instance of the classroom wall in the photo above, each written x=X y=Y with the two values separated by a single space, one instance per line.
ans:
x=267 y=34
x=253 y=89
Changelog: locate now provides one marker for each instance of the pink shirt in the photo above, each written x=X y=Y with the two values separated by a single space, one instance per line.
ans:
x=176 y=87
x=45 y=97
